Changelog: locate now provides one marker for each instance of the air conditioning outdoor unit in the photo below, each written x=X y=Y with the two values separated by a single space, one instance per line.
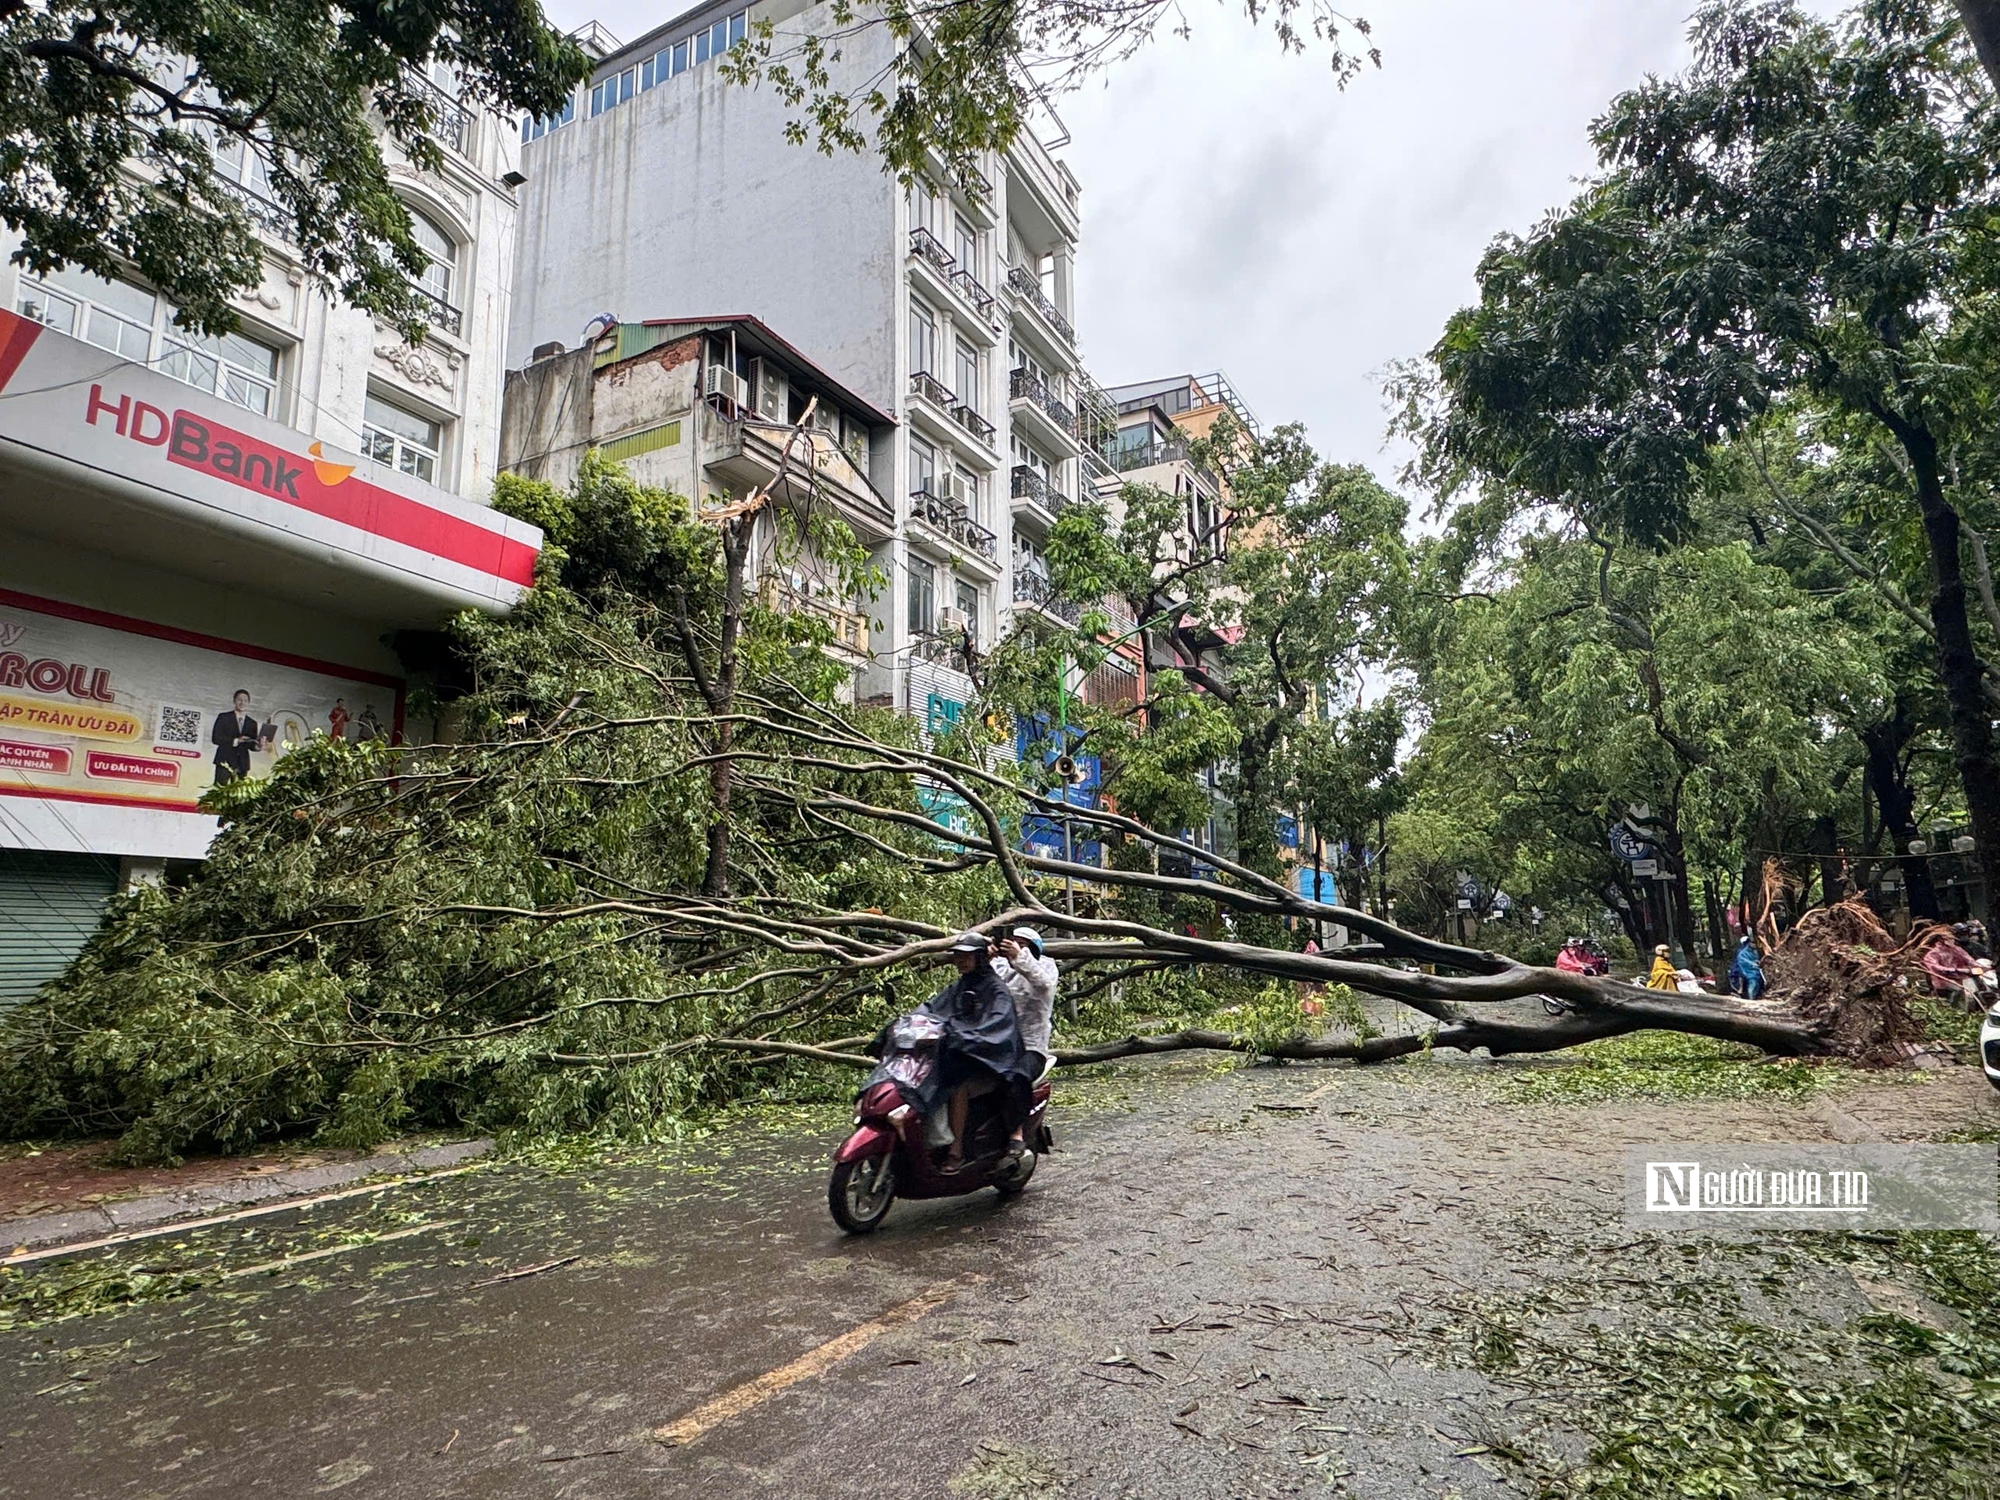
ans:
x=772 y=389
x=951 y=621
x=725 y=382
x=827 y=420
x=956 y=488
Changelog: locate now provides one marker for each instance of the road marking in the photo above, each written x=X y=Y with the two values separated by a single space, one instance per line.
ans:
x=733 y=1403
x=181 y=1226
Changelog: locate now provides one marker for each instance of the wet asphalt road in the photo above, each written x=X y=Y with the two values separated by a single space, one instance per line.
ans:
x=1215 y=1289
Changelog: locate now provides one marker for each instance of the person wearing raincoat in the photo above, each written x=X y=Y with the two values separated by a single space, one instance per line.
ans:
x=1663 y=976
x=1746 y=974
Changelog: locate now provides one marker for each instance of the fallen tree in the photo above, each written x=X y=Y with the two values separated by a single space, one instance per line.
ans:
x=518 y=931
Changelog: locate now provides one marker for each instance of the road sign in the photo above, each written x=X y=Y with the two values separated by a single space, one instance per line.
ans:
x=1645 y=869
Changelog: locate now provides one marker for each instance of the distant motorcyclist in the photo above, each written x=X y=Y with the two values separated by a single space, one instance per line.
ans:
x=1663 y=976
x=981 y=1051
x=1746 y=974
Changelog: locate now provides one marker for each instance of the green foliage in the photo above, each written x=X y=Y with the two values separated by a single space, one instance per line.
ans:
x=385 y=940
x=1666 y=1065
x=114 y=118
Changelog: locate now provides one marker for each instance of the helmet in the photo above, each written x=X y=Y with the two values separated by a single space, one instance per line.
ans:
x=1031 y=937
x=969 y=942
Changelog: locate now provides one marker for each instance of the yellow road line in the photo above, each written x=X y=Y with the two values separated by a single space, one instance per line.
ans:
x=733 y=1403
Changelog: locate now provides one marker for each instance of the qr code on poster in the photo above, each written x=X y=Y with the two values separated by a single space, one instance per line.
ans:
x=180 y=726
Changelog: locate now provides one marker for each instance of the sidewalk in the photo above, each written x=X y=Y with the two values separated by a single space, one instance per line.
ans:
x=64 y=1196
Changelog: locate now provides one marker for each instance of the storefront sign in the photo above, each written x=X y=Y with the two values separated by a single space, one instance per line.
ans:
x=249 y=474
x=96 y=708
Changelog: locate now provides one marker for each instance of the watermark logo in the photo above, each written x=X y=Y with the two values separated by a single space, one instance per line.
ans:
x=1686 y=1187
x=1813 y=1187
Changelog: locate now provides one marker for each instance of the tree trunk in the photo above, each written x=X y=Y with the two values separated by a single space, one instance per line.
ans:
x=735 y=555
x=1982 y=24
x=1897 y=804
x=1959 y=666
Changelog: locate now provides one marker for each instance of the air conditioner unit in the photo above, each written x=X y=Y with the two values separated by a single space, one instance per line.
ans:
x=956 y=488
x=826 y=419
x=773 y=391
x=725 y=382
x=952 y=621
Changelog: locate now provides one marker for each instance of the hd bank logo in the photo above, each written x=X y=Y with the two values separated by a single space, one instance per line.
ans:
x=1689 y=1187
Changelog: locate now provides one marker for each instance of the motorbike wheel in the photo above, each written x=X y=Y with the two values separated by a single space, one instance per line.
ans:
x=859 y=1193
x=1014 y=1183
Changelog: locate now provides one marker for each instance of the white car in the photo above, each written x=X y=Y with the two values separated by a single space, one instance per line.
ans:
x=1989 y=1045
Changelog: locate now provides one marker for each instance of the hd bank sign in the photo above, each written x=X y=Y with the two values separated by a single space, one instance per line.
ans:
x=1811 y=1187
x=1687 y=1187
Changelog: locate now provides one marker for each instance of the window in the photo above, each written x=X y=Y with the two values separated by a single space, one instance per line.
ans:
x=923 y=598
x=534 y=127
x=1026 y=457
x=923 y=340
x=923 y=206
x=968 y=374
x=680 y=57
x=438 y=245
x=968 y=605
x=136 y=325
x=923 y=466
x=614 y=91
x=965 y=246
x=402 y=440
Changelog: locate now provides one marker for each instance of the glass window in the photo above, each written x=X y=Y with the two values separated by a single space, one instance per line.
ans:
x=966 y=248
x=718 y=38
x=680 y=57
x=401 y=439
x=596 y=100
x=923 y=466
x=738 y=24
x=923 y=340
x=438 y=246
x=968 y=374
x=923 y=598
x=646 y=74
x=968 y=605
x=133 y=323
x=625 y=85
x=923 y=205
x=701 y=47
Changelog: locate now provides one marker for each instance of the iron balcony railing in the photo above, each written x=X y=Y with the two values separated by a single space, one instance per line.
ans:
x=443 y=316
x=967 y=285
x=928 y=248
x=927 y=385
x=450 y=121
x=950 y=519
x=1029 y=290
x=1038 y=589
x=265 y=214
x=943 y=650
x=973 y=423
x=1025 y=385
x=1028 y=485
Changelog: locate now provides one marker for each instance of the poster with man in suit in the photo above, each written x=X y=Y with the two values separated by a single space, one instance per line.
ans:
x=236 y=734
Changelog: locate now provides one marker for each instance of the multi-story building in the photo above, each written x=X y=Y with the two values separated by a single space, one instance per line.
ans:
x=182 y=518
x=667 y=192
x=718 y=409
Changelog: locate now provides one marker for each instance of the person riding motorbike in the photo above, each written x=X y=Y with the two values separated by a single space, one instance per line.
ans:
x=1663 y=976
x=981 y=1051
x=1030 y=978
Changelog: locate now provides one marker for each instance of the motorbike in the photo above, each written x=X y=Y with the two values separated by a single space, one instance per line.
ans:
x=1989 y=1045
x=890 y=1155
x=1577 y=956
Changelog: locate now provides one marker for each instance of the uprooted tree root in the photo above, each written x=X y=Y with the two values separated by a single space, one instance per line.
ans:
x=1843 y=973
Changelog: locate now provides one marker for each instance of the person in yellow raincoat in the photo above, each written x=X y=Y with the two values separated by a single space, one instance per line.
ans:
x=1663 y=976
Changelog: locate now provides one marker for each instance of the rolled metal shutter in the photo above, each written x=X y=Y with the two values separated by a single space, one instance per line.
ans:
x=50 y=904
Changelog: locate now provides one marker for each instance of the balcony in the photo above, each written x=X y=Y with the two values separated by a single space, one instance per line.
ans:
x=1029 y=290
x=929 y=249
x=1032 y=487
x=444 y=318
x=942 y=649
x=745 y=453
x=1128 y=456
x=949 y=519
x=1034 y=590
x=967 y=286
x=1025 y=385
x=262 y=212
x=927 y=385
x=782 y=596
x=973 y=423
x=451 y=122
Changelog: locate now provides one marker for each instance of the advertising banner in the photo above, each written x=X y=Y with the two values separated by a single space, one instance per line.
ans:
x=95 y=708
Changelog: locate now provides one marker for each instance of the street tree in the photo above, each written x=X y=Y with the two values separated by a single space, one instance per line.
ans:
x=1804 y=213
x=115 y=114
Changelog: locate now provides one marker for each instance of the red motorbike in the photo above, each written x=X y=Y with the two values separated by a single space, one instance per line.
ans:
x=890 y=1156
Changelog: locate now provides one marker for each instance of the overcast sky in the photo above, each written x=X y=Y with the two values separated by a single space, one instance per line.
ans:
x=1242 y=212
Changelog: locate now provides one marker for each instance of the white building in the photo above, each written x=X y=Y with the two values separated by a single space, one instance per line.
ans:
x=182 y=517
x=666 y=193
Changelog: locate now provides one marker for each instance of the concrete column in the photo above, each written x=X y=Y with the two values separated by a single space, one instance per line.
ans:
x=136 y=870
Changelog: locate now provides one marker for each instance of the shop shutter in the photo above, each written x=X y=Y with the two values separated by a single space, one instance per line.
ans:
x=50 y=904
